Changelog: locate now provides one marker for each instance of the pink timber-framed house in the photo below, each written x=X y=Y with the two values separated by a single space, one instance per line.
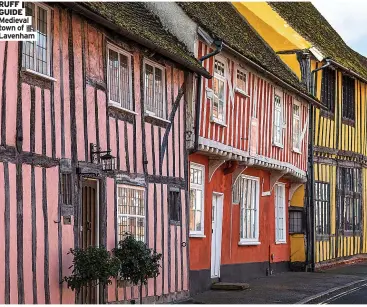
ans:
x=101 y=75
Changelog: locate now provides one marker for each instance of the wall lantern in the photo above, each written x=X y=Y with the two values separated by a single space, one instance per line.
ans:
x=107 y=160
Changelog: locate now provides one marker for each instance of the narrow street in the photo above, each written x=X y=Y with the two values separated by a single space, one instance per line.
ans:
x=346 y=284
x=354 y=296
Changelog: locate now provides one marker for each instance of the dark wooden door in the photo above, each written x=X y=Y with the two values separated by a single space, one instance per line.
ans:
x=89 y=230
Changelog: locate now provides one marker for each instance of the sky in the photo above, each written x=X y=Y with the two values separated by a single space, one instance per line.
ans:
x=348 y=18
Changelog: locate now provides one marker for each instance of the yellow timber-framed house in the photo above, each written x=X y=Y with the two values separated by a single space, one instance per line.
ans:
x=328 y=215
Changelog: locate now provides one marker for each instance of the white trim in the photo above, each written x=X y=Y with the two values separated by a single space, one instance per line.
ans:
x=119 y=51
x=284 y=239
x=135 y=188
x=251 y=241
x=200 y=167
x=294 y=118
x=278 y=93
x=164 y=102
x=224 y=80
x=38 y=74
x=118 y=106
x=245 y=72
x=152 y=115
x=248 y=243
x=49 y=51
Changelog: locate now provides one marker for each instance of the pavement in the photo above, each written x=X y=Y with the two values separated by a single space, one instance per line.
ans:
x=293 y=288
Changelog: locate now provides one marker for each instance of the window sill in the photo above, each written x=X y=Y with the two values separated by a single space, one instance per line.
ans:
x=120 y=113
x=280 y=242
x=119 y=108
x=42 y=76
x=214 y=120
x=327 y=113
x=249 y=243
x=278 y=145
x=348 y=121
x=193 y=235
x=297 y=151
x=155 y=120
x=239 y=91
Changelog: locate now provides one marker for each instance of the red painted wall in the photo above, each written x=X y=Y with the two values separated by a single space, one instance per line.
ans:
x=232 y=253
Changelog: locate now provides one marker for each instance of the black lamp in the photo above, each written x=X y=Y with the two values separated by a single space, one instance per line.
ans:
x=107 y=160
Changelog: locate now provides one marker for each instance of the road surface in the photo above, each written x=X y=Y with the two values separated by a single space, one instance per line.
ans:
x=354 y=296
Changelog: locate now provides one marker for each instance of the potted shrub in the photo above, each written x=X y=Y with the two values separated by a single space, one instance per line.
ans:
x=91 y=267
x=138 y=263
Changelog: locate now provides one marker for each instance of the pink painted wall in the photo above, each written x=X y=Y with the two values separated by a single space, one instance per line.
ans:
x=59 y=101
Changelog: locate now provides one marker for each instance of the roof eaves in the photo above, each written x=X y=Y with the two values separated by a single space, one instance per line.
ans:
x=145 y=42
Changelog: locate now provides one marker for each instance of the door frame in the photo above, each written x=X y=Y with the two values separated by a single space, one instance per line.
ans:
x=97 y=213
x=221 y=196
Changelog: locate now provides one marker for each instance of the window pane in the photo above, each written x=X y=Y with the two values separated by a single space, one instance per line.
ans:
x=41 y=60
x=248 y=210
x=154 y=90
x=242 y=80
x=131 y=212
x=125 y=82
x=114 y=76
x=158 y=104
x=29 y=47
x=149 y=87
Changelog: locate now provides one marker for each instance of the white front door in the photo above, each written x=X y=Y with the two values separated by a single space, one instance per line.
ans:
x=217 y=217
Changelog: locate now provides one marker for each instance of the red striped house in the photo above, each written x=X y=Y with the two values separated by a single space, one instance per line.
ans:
x=92 y=83
x=250 y=154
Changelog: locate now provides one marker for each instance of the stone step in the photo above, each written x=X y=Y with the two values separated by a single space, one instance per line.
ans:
x=230 y=286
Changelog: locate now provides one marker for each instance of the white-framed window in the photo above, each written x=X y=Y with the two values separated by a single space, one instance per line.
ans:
x=154 y=89
x=280 y=217
x=219 y=91
x=197 y=182
x=249 y=211
x=296 y=109
x=131 y=215
x=278 y=123
x=254 y=99
x=36 y=54
x=241 y=80
x=119 y=77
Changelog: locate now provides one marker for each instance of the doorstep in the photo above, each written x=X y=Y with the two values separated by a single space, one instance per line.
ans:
x=227 y=286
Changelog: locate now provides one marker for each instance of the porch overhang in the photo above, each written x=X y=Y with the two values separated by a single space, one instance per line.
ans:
x=225 y=153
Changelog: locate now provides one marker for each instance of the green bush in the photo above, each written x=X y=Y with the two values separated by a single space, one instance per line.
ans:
x=138 y=263
x=91 y=266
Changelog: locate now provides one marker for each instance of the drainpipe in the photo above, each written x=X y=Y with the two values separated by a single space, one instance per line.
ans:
x=311 y=179
x=218 y=45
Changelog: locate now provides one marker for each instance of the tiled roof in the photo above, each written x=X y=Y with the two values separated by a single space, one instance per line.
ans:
x=135 y=19
x=222 y=21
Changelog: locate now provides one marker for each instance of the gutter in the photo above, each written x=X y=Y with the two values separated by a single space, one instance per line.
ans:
x=219 y=46
x=347 y=69
x=101 y=20
x=274 y=77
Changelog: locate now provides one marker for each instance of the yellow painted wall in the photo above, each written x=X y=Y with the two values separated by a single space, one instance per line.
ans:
x=297 y=241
